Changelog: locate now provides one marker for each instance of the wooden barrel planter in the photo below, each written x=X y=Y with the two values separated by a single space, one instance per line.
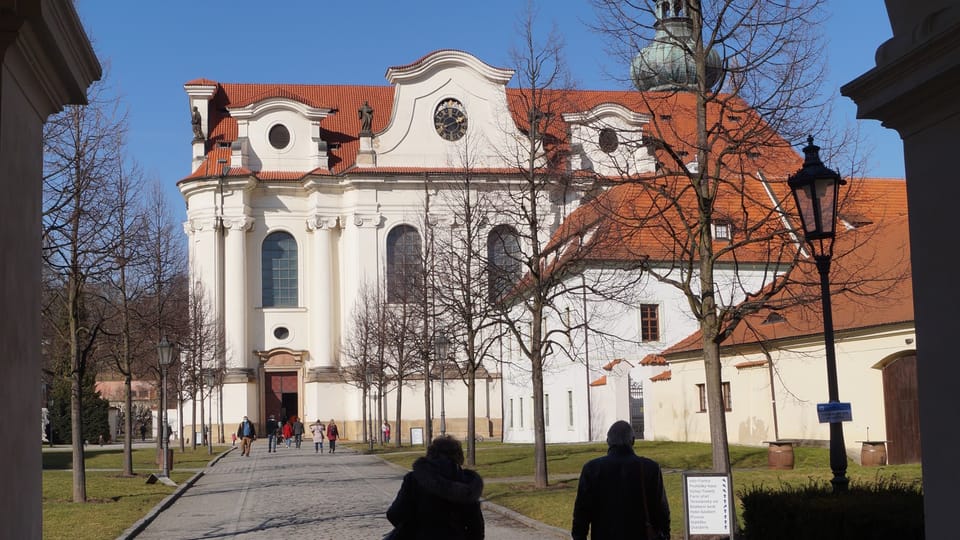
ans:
x=780 y=455
x=873 y=453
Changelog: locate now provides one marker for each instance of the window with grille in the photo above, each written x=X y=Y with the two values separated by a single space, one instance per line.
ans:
x=279 y=270
x=404 y=265
x=650 y=322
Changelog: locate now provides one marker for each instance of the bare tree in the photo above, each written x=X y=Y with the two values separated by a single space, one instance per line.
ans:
x=83 y=147
x=164 y=309
x=363 y=350
x=199 y=348
x=721 y=132
x=465 y=302
x=125 y=290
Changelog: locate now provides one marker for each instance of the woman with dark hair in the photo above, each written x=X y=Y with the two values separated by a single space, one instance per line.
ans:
x=439 y=498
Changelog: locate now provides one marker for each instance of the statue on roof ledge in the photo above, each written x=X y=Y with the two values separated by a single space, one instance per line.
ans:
x=365 y=113
x=196 y=120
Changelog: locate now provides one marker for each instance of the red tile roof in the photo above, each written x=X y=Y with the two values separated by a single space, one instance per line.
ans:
x=602 y=381
x=662 y=376
x=870 y=274
x=341 y=129
x=653 y=360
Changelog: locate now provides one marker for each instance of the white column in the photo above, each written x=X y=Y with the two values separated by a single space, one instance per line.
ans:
x=361 y=259
x=321 y=278
x=235 y=305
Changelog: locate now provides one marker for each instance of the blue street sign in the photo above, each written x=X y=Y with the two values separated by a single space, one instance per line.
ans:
x=834 y=412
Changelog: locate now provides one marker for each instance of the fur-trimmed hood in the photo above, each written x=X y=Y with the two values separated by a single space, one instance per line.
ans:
x=447 y=480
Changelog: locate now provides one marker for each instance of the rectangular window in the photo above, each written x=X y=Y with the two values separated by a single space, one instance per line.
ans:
x=511 y=413
x=650 y=322
x=724 y=389
x=721 y=231
x=546 y=410
x=570 y=408
x=521 y=413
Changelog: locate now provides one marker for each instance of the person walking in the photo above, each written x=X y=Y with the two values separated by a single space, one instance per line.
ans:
x=385 y=431
x=288 y=431
x=318 y=430
x=247 y=433
x=271 y=427
x=297 y=431
x=620 y=490
x=439 y=498
x=332 y=435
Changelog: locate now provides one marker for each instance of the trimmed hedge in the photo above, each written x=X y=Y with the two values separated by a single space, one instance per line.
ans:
x=868 y=511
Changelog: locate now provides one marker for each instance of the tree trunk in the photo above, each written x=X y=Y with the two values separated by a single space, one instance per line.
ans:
x=539 y=439
x=471 y=415
x=128 y=428
x=396 y=432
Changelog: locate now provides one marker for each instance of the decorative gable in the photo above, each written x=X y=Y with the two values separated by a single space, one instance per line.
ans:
x=445 y=102
x=608 y=140
x=279 y=133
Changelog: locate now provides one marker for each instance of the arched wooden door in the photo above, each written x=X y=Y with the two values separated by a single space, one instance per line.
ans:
x=902 y=411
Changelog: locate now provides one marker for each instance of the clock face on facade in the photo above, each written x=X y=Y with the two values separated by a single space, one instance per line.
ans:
x=450 y=119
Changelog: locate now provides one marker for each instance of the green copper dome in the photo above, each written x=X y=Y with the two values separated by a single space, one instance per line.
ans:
x=665 y=65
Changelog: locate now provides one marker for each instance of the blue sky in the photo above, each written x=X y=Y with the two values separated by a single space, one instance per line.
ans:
x=153 y=48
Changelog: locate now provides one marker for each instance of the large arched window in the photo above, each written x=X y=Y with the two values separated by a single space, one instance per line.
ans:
x=404 y=267
x=279 y=270
x=503 y=260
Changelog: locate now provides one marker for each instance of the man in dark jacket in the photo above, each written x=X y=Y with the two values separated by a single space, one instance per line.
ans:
x=272 y=426
x=439 y=499
x=620 y=493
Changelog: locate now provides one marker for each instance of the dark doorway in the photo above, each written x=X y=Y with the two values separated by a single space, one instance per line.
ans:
x=281 y=399
x=902 y=410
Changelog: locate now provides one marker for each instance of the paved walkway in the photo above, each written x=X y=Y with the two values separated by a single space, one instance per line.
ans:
x=297 y=493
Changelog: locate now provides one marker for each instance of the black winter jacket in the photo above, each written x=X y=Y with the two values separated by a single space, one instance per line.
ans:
x=610 y=501
x=439 y=499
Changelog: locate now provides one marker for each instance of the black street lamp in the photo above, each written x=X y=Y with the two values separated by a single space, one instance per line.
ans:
x=815 y=188
x=208 y=379
x=441 y=346
x=165 y=354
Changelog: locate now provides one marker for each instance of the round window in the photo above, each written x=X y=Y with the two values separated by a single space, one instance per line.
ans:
x=608 y=140
x=281 y=332
x=279 y=136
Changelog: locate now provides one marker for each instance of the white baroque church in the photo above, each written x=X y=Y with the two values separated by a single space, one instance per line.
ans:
x=301 y=194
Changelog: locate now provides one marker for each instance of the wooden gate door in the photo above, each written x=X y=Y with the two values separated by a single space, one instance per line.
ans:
x=902 y=411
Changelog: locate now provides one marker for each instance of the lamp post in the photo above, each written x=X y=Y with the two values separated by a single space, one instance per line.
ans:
x=815 y=189
x=208 y=379
x=440 y=346
x=165 y=354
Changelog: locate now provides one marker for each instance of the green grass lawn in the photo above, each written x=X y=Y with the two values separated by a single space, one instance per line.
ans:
x=114 y=502
x=554 y=505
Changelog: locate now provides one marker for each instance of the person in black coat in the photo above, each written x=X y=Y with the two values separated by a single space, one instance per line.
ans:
x=620 y=493
x=439 y=498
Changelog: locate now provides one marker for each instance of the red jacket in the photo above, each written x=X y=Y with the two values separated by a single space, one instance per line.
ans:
x=332 y=432
x=287 y=430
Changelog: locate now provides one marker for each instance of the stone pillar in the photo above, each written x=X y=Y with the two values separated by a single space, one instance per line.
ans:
x=235 y=305
x=322 y=314
x=361 y=259
x=913 y=89
x=47 y=63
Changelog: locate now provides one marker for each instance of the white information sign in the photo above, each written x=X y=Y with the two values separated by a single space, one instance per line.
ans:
x=416 y=435
x=707 y=499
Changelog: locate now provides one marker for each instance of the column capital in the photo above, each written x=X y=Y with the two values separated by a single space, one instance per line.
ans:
x=320 y=222
x=366 y=220
x=238 y=223
x=195 y=225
